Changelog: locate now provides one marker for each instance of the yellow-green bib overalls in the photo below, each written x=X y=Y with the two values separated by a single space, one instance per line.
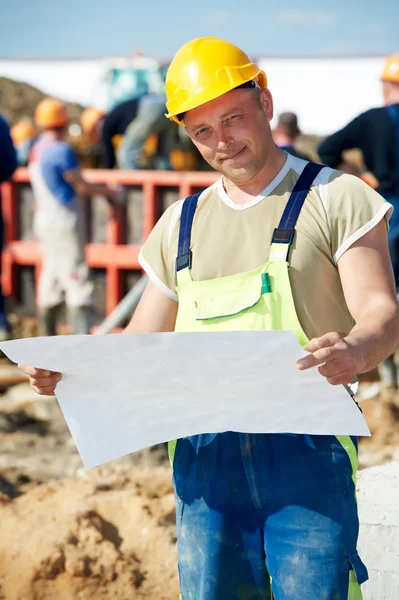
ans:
x=252 y=508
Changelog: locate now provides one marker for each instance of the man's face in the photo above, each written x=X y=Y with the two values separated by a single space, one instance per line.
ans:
x=233 y=133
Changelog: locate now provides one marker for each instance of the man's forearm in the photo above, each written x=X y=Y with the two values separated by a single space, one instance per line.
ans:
x=374 y=337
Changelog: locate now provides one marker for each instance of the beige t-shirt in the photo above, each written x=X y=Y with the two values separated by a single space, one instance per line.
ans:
x=228 y=238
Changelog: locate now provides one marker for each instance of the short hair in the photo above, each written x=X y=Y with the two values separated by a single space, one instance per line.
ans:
x=289 y=122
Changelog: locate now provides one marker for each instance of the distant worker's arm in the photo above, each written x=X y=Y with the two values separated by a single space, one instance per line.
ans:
x=109 y=130
x=155 y=312
x=368 y=284
x=82 y=187
x=330 y=150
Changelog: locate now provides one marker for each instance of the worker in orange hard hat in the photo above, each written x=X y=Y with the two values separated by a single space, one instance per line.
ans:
x=23 y=130
x=376 y=134
x=23 y=134
x=91 y=120
x=58 y=222
x=109 y=129
x=277 y=243
x=129 y=130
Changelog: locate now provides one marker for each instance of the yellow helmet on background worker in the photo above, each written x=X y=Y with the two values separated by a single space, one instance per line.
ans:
x=51 y=113
x=391 y=69
x=89 y=119
x=203 y=70
x=22 y=131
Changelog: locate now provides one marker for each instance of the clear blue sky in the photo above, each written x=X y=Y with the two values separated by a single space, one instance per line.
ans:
x=94 y=28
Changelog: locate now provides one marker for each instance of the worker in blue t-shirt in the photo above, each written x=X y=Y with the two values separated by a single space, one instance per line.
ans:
x=58 y=222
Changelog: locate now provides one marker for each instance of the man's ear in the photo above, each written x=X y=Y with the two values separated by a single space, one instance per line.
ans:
x=266 y=101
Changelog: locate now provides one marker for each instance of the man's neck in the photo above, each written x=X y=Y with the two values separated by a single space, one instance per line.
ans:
x=282 y=140
x=241 y=193
x=392 y=100
x=53 y=134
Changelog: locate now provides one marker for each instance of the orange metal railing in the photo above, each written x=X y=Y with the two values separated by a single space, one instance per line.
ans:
x=113 y=254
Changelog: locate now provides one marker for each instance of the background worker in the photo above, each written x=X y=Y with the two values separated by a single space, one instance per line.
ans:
x=280 y=507
x=23 y=134
x=376 y=134
x=58 y=221
x=149 y=121
x=8 y=164
x=109 y=129
x=125 y=131
x=286 y=134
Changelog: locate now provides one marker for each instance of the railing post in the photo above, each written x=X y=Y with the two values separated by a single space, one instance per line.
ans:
x=150 y=207
x=114 y=284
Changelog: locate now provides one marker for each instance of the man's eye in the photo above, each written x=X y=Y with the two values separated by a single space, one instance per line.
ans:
x=202 y=131
x=233 y=118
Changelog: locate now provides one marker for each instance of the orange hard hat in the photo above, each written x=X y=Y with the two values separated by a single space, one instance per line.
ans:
x=89 y=118
x=50 y=113
x=391 y=69
x=23 y=130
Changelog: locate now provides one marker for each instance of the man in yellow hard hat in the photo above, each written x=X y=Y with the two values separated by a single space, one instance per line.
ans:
x=376 y=134
x=58 y=221
x=23 y=134
x=276 y=243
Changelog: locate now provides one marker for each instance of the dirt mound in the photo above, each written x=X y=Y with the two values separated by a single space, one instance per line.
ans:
x=111 y=537
x=18 y=100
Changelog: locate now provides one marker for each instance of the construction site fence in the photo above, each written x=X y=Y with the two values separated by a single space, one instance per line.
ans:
x=114 y=237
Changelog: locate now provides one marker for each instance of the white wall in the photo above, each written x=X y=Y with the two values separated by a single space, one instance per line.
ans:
x=378 y=499
x=325 y=92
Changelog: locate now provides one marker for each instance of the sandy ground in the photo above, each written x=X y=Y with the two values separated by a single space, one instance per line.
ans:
x=107 y=533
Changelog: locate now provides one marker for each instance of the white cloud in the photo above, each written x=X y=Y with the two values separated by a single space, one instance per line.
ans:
x=310 y=18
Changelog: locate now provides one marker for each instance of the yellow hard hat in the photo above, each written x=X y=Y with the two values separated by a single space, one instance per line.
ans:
x=391 y=69
x=203 y=70
x=51 y=113
x=89 y=118
x=23 y=130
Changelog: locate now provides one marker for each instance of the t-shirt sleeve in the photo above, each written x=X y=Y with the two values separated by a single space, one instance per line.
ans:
x=353 y=209
x=158 y=255
x=66 y=158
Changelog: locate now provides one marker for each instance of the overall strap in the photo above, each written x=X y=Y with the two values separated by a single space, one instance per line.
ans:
x=284 y=233
x=183 y=259
x=393 y=112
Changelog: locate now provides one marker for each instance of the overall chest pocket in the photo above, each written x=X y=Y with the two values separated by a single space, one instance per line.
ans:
x=228 y=304
x=246 y=308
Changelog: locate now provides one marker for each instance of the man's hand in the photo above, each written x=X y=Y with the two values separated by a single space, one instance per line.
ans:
x=42 y=382
x=335 y=355
x=117 y=194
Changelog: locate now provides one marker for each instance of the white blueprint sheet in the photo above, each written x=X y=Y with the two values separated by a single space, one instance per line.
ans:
x=124 y=392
